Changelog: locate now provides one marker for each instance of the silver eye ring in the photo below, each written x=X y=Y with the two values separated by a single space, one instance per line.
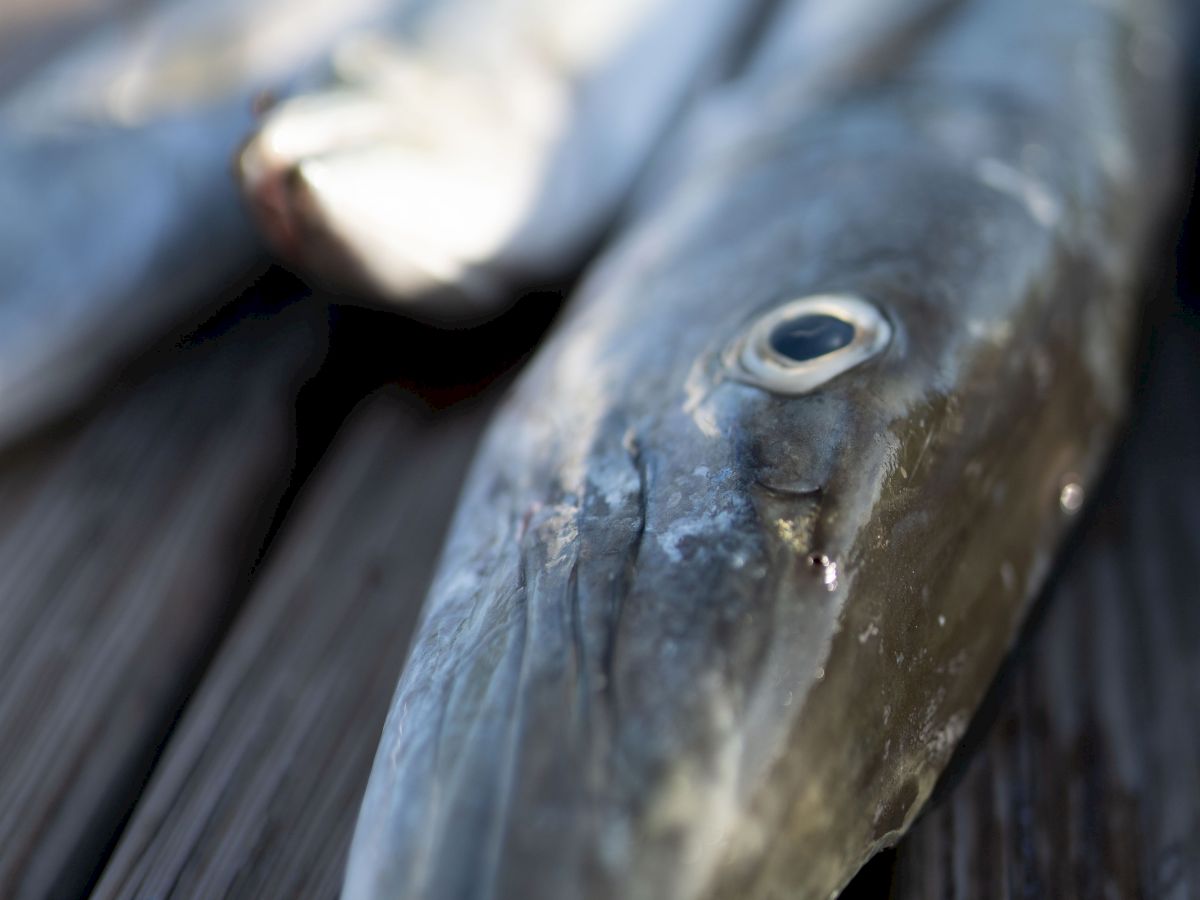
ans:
x=802 y=344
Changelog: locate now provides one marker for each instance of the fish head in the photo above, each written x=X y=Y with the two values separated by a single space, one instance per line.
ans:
x=747 y=544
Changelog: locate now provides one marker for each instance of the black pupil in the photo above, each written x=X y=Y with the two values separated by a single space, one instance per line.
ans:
x=807 y=337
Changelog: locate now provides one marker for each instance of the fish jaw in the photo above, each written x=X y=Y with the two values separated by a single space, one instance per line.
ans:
x=574 y=723
x=403 y=196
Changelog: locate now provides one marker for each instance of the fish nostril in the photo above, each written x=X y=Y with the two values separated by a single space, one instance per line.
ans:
x=802 y=344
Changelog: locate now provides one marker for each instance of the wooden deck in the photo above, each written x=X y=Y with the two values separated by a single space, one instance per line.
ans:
x=124 y=541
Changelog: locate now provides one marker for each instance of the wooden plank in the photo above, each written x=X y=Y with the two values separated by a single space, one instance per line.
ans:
x=1087 y=783
x=259 y=789
x=125 y=540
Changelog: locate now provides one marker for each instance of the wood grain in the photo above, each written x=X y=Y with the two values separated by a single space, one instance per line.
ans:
x=259 y=790
x=124 y=542
x=1087 y=785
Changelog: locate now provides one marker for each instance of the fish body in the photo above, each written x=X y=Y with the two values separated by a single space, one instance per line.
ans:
x=30 y=31
x=486 y=144
x=748 y=541
x=108 y=238
x=118 y=213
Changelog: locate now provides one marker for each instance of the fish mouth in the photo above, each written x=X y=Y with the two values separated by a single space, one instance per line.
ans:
x=596 y=694
x=277 y=190
x=302 y=226
x=269 y=185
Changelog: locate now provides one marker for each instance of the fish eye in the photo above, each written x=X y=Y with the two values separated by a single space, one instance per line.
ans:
x=800 y=345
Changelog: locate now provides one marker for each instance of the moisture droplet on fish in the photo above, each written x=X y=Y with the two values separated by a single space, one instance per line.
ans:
x=1070 y=499
x=826 y=568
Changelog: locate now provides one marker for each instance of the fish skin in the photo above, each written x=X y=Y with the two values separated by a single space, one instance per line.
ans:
x=118 y=215
x=811 y=53
x=109 y=238
x=31 y=31
x=485 y=144
x=631 y=677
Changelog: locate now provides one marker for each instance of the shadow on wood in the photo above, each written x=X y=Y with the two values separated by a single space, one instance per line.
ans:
x=259 y=790
x=124 y=543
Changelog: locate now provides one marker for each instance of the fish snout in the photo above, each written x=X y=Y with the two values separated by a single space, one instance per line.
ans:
x=575 y=712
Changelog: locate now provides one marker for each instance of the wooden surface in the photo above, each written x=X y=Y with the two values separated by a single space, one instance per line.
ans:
x=259 y=788
x=123 y=541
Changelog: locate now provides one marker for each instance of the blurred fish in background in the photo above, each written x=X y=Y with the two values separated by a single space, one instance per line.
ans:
x=118 y=213
x=489 y=144
x=455 y=147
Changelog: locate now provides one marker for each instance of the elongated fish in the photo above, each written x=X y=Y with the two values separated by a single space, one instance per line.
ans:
x=752 y=535
x=118 y=212
x=491 y=142
x=31 y=30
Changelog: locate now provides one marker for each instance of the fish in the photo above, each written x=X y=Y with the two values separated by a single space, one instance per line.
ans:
x=119 y=217
x=750 y=537
x=31 y=31
x=484 y=146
